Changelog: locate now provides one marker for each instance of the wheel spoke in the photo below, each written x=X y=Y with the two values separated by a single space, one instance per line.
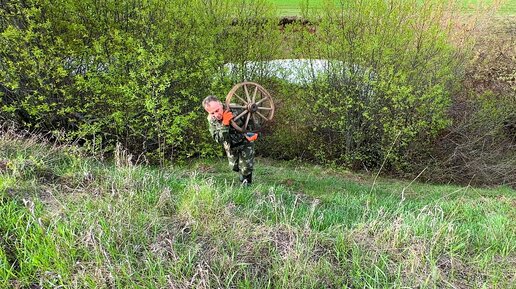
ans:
x=261 y=100
x=261 y=115
x=240 y=115
x=247 y=121
x=265 y=108
x=247 y=93
x=254 y=94
x=237 y=106
x=245 y=102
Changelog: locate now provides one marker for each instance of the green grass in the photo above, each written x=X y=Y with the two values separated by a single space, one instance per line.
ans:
x=293 y=7
x=71 y=221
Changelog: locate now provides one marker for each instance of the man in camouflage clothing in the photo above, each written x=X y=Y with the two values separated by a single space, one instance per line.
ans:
x=239 y=146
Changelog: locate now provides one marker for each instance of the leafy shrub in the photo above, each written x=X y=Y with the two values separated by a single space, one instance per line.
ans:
x=388 y=84
x=129 y=72
x=134 y=73
x=480 y=145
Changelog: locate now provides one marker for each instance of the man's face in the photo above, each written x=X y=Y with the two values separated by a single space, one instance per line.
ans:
x=214 y=109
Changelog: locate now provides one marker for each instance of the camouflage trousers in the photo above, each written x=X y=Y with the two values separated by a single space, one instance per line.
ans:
x=241 y=158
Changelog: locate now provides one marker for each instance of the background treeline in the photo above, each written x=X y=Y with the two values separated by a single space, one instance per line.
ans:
x=134 y=72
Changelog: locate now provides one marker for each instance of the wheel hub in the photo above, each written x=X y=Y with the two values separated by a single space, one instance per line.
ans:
x=252 y=107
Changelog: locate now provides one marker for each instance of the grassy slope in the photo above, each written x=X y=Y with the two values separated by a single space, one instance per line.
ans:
x=76 y=222
x=292 y=7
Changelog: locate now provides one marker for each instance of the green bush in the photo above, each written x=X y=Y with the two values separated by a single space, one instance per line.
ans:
x=479 y=147
x=134 y=73
x=388 y=84
x=129 y=72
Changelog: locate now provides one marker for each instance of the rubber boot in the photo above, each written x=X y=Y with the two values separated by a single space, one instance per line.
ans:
x=247 y=180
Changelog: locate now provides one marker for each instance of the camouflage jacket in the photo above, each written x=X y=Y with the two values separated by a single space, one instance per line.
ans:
x=227 y=135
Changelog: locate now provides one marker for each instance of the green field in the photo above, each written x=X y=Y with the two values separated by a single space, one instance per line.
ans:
x=292 y=7
x=69 y=221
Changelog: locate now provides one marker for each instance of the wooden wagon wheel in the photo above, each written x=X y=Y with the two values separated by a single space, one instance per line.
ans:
x=252 y=102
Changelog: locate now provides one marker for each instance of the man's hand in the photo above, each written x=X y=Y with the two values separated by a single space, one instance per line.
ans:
x=251 y=136
x=227 y=116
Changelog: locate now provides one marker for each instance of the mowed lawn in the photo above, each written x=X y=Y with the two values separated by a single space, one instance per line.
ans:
x=293 y=7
